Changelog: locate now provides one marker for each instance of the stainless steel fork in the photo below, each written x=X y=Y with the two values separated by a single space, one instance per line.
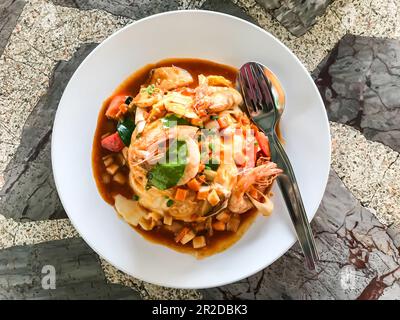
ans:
x=261 y=106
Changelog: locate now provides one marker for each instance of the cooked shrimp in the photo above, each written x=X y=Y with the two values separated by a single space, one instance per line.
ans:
x=138 y=149
x=168 y=78
x=143 y=148
x=212 y=99
x=262 y=175
x=223 y=98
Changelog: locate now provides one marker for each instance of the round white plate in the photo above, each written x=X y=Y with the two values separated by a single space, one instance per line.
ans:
x=198 y=34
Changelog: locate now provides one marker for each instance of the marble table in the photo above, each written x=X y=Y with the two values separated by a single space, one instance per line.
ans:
x=351 y=48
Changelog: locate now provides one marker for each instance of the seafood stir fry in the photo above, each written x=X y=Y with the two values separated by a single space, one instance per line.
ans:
x=192 y=160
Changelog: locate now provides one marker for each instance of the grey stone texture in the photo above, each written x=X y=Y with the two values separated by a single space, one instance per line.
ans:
x=298 y=16
x=134 y=9
x=228 y=7
x=10 y=11
x=29 y=192
x=360 y=85
x=78 y=275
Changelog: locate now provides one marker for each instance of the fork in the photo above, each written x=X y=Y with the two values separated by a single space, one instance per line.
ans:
x=261 y=106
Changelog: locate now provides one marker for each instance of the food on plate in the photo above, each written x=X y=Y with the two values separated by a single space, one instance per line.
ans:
x=179 y=159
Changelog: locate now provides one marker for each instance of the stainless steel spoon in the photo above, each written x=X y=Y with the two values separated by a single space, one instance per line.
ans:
x=265 y=101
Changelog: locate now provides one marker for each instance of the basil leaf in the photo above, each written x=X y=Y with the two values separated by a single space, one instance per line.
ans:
x=170 y=169
x=125 y=128
x=165 y=176
x=172 y=120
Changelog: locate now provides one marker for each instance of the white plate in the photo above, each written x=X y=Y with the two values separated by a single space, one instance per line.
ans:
x=199 y=34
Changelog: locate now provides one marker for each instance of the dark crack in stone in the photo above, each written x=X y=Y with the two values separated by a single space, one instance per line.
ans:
x=78 y=274
x=226 y=6
x=29 y=192
x=10 y=10
x=134 y=9
x=298 y=16
x=359 y=258
x=360 y=85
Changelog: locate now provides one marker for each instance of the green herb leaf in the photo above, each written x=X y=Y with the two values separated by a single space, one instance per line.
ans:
x=125 y=129
x=128 y=100
x=170 y=169
x=212 y=165
x=150 y=89
x=135 y=197
x=172 y=120
x=170 y=203
x=214 y=117
x=211 y=146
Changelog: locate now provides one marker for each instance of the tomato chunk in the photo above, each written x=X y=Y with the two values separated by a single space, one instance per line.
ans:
x=113 y=109
x=113 y=143
x=263 y=142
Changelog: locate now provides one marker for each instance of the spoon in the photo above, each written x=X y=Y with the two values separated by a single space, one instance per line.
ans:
x=265 y=101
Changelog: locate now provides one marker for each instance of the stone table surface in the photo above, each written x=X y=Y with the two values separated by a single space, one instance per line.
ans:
x=352 y=50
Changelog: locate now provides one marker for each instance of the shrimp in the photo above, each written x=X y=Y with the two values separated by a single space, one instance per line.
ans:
x=223 y=98
x=212 y=99
x=262 y=176
x=168 y=78
x=153 y=136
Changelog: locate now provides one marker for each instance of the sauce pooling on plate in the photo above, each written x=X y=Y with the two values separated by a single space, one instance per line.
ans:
x=179 y=160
